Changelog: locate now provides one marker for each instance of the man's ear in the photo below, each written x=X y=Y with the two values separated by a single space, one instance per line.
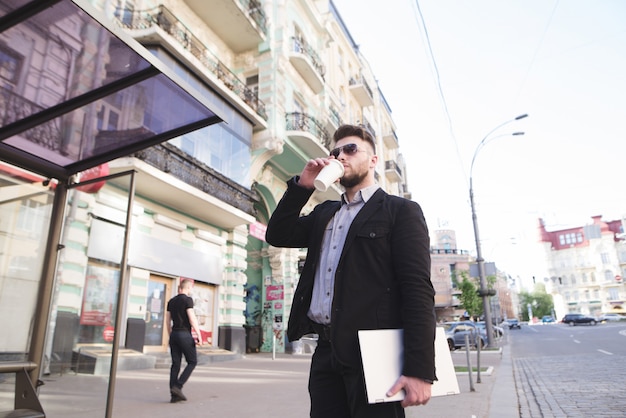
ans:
x=373 y=161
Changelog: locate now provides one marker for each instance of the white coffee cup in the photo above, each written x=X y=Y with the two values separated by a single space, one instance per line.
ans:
x=328 y=175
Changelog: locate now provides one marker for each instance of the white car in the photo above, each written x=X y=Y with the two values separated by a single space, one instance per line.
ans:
x=611 y=317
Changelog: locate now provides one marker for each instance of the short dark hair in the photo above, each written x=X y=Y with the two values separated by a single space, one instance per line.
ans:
x=355 y=130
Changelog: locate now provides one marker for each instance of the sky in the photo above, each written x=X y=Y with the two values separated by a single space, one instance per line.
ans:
x=454 y=71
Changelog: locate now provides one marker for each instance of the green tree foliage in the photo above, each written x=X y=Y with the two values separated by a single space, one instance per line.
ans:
x=470 y=300
x=541 y=303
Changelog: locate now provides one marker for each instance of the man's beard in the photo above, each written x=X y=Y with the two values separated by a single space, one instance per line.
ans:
x=354 y=180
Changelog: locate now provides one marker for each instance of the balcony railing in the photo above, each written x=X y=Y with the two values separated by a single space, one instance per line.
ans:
x=369 y=127
x=448 y=251
x=361 y=91
x=302 y=122
x=161 y=17
x=393 y=171
x=14 y=107
x=334 y=116
x=302 y=47
x=181 y=165
x=255 y=11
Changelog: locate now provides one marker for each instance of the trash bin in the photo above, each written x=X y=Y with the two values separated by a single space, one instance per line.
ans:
x=253 y=338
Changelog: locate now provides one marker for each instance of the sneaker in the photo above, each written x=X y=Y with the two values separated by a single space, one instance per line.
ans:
x=175 y=399
x=176 y=391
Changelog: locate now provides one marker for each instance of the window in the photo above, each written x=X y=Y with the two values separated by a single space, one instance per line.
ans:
x=298 y=107
x=108 y=119
x=613 y=293
x=10 y=68
x=605 y=258
x=31 y=217
x=220 y=148
x=570 y=238
x=252 y=90
x=592 y=231
x=608 y=275
x=340 y=60
x=573 y=279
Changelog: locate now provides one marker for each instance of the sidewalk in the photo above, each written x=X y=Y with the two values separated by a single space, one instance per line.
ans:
x=261 y=387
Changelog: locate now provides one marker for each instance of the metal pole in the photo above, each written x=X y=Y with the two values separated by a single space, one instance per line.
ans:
x=469 y=363
x=479 y=342
x=481 y=272
x=121 y=296
x=46 y=283
x=480 y=261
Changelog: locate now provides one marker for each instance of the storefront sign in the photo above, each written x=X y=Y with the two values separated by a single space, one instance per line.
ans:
x=257 y=230
x=274 y=292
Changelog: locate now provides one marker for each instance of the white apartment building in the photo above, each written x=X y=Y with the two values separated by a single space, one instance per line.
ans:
x=586 y=266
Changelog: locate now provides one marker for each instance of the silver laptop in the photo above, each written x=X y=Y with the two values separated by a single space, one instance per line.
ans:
x=382 y=354
x=381 y=351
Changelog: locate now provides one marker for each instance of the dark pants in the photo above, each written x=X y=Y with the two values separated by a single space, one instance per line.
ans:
x=338 y=391
x=182 y=343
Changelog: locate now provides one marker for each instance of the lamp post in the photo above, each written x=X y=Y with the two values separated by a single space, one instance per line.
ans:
x=484 y=291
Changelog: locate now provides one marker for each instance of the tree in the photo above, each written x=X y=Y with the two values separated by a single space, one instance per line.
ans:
x=540 y=302
x=470 y=300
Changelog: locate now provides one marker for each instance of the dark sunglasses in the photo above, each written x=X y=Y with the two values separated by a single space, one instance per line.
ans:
x=348 y=149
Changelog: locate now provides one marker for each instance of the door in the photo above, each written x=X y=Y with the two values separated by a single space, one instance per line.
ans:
x=159 y=293
x=204 y=297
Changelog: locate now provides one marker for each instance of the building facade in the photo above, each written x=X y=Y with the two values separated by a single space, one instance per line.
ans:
x=448 y=266
x=283 y=75
x=586 y=265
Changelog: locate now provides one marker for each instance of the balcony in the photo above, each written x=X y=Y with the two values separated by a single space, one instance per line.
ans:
x=391 y=140
x=369 y=127
x=241 y=24
x=14 y=107
x=307 y=63
x=361 y=91
x=308 y=134
x=159 y=25
x=333 y=119
x=448 y=251
x=405 y=192
x=392 y=171
x=165 y=174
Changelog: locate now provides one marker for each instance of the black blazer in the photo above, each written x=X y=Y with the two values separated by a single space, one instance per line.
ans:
x=382 y=279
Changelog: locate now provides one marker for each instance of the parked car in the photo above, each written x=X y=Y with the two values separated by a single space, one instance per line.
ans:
x=456 y=332
x=547 y=319
x=577 y=318
x=514 y=323
x=497 y=331
x=611 y=317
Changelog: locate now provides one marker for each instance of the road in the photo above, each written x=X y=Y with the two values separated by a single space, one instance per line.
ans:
x=565 y=371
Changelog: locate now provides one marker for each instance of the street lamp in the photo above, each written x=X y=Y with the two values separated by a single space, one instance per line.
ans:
x=484 y=291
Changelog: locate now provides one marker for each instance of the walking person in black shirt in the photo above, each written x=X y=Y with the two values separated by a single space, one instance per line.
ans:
x=181 y=319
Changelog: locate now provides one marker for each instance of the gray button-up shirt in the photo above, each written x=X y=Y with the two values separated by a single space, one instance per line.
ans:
x=332 y=246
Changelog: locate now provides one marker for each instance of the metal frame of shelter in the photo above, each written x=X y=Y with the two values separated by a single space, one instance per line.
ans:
x=62 y=157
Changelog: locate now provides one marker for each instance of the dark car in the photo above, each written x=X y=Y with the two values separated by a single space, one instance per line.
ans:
x=577 y=318
x=514 y=323
x=456 y=332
